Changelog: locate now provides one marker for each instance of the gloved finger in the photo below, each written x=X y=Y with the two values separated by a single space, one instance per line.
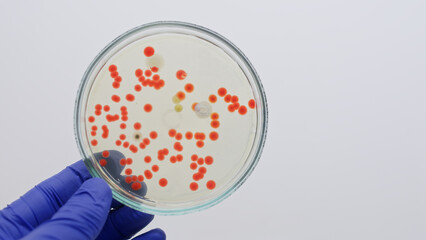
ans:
x=124 y=223
x=111 y=159
x=116 y=204
x=154 y=234
x=82 y=217
x=112 y=164
x=140 y=189
x=41 y=202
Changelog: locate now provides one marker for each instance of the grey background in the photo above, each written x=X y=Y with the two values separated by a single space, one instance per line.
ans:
x=346 y=81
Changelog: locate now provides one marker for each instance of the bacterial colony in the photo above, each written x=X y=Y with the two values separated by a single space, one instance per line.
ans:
x=171 y=118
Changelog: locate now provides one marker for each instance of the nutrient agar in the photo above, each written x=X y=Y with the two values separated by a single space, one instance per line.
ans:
x=179 y=115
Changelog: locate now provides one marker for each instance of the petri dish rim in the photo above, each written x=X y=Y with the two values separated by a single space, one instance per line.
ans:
x=203 y=33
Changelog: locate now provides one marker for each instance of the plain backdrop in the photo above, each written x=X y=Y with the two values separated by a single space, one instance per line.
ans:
x=346 y=85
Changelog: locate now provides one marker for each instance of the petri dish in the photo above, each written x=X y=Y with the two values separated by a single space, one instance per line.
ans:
x=172 y=116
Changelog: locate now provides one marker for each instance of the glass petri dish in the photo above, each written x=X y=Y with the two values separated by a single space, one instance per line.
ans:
x=172 y=116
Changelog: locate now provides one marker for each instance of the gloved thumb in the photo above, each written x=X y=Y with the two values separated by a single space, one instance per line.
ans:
x=82 y=216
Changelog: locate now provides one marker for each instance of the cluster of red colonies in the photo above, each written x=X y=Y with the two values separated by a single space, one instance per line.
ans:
x=151 y=78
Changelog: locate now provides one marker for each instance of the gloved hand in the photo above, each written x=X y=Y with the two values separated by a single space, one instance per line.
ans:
x=72 y=205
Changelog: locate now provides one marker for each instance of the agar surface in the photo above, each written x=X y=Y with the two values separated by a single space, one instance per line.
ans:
x=119 y=116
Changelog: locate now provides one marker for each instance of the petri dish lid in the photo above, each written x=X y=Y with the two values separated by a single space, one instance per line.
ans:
x=172 y=116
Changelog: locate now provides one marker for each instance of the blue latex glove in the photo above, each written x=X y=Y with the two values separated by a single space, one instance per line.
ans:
x=72 y=205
